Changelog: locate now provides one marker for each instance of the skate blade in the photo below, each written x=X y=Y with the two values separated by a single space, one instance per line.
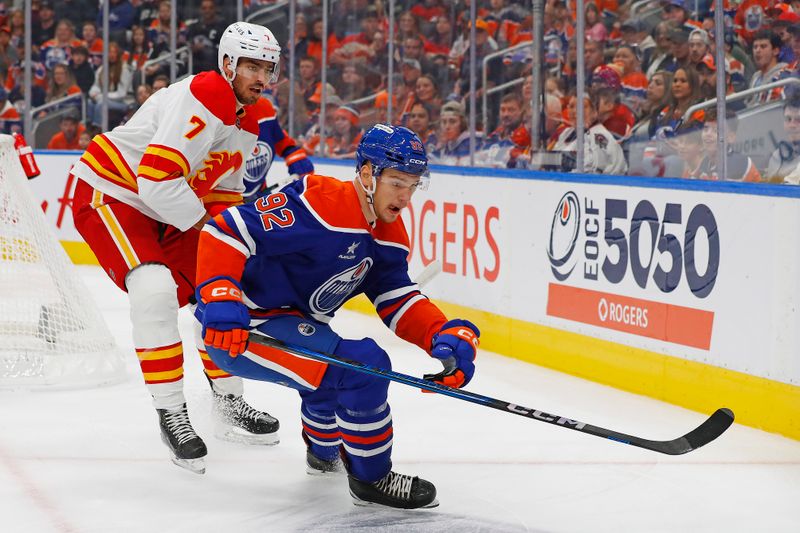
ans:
x=198 y=466
x=311 y=471
x=240 y=436
x=363 y=503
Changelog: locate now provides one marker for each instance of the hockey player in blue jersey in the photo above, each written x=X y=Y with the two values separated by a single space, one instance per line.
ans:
x=272 y=141
x=284 y=264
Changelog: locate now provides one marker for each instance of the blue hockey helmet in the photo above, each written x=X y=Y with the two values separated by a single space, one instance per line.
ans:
x=386 y=146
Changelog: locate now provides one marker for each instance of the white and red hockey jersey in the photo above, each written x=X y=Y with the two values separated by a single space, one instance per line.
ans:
x=181 y=155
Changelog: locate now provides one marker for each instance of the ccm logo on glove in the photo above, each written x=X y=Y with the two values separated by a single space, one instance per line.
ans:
x=233 y=292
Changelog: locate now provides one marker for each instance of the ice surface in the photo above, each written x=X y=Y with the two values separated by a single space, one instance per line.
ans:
x=92 y=461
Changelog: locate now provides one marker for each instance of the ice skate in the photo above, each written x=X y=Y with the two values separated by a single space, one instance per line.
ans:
x=187 y=449
x=316 y=466
x=394 y=490
x=237 y=421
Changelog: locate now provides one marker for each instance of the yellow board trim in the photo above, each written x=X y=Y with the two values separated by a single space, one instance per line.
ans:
x=757 y=402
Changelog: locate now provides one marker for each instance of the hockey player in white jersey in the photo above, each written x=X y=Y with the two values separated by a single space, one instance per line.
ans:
x=145 y=189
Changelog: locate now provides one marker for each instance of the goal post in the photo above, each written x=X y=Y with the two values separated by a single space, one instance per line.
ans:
x=52 y=334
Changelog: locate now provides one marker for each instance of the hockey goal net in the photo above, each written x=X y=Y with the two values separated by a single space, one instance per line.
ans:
x=51 y=332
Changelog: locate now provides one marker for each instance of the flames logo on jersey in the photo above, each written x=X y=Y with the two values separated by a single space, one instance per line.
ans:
x=216 y=167
x=564 y=236
x=259 y=162
x=338 y=289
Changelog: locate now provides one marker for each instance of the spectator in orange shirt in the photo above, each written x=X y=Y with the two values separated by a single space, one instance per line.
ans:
x=69 y=136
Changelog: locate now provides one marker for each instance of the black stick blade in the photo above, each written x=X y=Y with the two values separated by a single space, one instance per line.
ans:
x=709 y=430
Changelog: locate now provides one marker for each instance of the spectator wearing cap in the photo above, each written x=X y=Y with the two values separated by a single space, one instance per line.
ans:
x=634 y=82
x=785 y=159
x=59 y=49
x=699 y=46
x=739 y=166
x=8 y=52
x=312 y=136
x=411 y=71
x=453 y=146
x=766 y=47
x=484 y=45
x=602 y=154
x=707 y=73
x=634 y=33
x=781 y=25
x=679 y=14
x=347 y=132
x=606 y=90
x=43 y=27
x=70 y=129
x=679 y=38
x=661 y=56
x=10 y=121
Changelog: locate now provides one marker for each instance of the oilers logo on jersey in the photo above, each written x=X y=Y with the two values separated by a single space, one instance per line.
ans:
x=259 y=162
x=338 y=288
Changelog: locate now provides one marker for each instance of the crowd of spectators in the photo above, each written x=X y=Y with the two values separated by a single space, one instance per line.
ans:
x=644 y=74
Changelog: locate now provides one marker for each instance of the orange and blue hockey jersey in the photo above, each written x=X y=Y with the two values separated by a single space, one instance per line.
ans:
x=309 y=249
x=181 y=155
x=272 y=141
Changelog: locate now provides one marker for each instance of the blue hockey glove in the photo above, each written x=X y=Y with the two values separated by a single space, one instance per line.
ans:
x=297 y=162
x=456 y=345
x=225 y=319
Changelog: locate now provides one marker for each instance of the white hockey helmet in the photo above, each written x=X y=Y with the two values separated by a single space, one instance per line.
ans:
x=243 y=39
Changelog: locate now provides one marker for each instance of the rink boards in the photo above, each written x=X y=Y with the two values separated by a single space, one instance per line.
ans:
x=680 y=290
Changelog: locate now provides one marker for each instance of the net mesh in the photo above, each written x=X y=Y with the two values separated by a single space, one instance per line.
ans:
x=51 y=332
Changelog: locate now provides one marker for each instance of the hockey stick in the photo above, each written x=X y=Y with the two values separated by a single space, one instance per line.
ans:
x=433 y=269
x=709 y=430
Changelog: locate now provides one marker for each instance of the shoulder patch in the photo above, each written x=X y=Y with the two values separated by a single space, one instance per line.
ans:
x=211 y=90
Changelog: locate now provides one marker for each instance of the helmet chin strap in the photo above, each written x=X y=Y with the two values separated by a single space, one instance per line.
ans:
x=370 y=193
